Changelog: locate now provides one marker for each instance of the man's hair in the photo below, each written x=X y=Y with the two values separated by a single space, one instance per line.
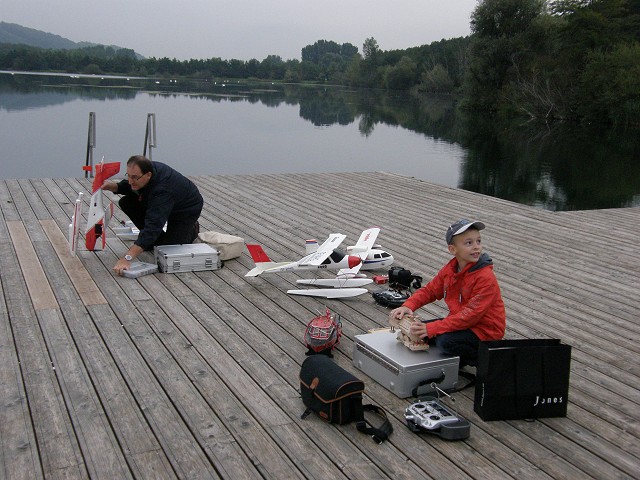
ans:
x=143 y=163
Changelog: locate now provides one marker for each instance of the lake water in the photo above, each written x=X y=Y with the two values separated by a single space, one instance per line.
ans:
x=214 y=128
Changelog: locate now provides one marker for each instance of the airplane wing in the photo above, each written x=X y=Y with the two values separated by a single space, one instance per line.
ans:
x=324 y=250
x=361 y=249
x=330 y=292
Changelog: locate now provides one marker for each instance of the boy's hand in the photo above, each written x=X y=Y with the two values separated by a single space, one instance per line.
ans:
x=418 y=329
x=400 y=312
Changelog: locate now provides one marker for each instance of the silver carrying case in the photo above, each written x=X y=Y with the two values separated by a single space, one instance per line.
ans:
x=139 y=269
x=404 y=372
x=192 y=257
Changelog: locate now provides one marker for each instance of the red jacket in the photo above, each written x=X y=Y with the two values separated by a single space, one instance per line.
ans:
x=472 y=295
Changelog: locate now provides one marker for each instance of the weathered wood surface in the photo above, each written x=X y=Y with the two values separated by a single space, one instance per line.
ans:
x=195 y=375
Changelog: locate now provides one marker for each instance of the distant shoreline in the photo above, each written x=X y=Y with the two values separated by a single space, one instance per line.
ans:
x=72 y=75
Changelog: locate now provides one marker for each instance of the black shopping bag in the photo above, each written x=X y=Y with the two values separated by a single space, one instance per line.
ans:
x=522 y=379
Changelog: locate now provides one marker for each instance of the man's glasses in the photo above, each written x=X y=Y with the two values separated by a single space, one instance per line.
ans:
x=134 y=178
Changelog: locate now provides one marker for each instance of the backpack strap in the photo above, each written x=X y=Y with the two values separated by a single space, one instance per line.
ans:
x=379 y=434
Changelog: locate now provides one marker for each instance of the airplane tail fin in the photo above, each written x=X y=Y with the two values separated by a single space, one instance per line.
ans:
x=260 y=258
x=104 y=171
x=258 y=254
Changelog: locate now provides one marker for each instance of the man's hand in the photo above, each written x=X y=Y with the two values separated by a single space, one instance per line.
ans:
x=110 y=186
x=121 y=265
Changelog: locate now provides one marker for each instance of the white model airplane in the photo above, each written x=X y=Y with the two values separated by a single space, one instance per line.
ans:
x=326 y=256
x=375 y=259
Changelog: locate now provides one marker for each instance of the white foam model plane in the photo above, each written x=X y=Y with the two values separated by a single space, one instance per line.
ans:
x=328 y=257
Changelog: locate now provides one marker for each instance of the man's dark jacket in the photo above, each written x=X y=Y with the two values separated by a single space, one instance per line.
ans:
x=169 y=196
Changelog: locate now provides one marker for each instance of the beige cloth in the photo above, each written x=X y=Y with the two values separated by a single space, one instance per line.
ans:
x=228 y=246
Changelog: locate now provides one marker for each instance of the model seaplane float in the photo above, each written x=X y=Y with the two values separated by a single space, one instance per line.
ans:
x=364 y=255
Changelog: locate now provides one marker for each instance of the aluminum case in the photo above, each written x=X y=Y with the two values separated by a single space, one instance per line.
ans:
x=139 y=269
x=192 y=257
x=387 y=361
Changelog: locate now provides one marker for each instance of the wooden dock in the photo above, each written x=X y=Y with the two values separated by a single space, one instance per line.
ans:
x=195 y=375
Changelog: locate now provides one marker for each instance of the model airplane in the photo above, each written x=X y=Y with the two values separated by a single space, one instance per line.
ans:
x=74 y=226
x=99 y=217
x=375 y=257
x=325 y=257
x=328 y=257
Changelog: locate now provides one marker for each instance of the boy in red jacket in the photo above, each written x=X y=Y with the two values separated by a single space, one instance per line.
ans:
x=470 y=289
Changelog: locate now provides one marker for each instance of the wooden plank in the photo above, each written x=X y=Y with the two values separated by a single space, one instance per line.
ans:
x=100 y=451
x=126 y=334
x=232 y=368
x=19 y=452
x=85 y=286
x=57 y=445
x=156 y=432
x=139 y=446
x=39 y=290
x=244 y=422
x=7 y=207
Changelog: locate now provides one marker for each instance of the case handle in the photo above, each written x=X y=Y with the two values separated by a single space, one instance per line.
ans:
x=437 y=380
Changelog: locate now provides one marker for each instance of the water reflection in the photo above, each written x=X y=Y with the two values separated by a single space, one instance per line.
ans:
x=556 y=167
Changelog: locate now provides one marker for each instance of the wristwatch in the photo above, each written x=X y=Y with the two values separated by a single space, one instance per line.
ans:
x=128 y=257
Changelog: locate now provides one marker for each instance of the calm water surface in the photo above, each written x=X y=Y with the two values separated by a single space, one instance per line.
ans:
x=220 y=128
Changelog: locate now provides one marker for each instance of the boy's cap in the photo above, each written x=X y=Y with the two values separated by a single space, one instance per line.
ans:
x=461 y=226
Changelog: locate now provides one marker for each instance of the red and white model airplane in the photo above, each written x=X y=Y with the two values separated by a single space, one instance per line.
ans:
x=74 y=226
x=327 y=257
x=98 y=217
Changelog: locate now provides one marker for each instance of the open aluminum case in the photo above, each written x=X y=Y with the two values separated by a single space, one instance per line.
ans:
x=404 y=372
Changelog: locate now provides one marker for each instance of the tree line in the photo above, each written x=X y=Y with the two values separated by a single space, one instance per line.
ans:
x=546 y=59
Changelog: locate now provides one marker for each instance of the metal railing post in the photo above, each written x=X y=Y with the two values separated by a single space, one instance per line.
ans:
x=150 y=134
x=91 y=143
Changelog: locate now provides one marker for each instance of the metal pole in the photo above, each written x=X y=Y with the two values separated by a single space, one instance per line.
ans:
x=150 y=134
x=91 y=143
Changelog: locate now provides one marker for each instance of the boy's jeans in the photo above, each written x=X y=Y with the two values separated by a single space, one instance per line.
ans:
x=463 y=343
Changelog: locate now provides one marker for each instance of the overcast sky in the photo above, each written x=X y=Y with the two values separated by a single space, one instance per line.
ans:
x=242 y=29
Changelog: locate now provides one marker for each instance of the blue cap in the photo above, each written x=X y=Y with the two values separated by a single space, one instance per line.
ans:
x=459 y=227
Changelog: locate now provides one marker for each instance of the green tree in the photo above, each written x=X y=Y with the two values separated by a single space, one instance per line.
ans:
x=271 y=67
x=609 y=86
x=370 y=49
x=92 y=69
x=499 y=43
x=402 y=75
x=436 y=80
